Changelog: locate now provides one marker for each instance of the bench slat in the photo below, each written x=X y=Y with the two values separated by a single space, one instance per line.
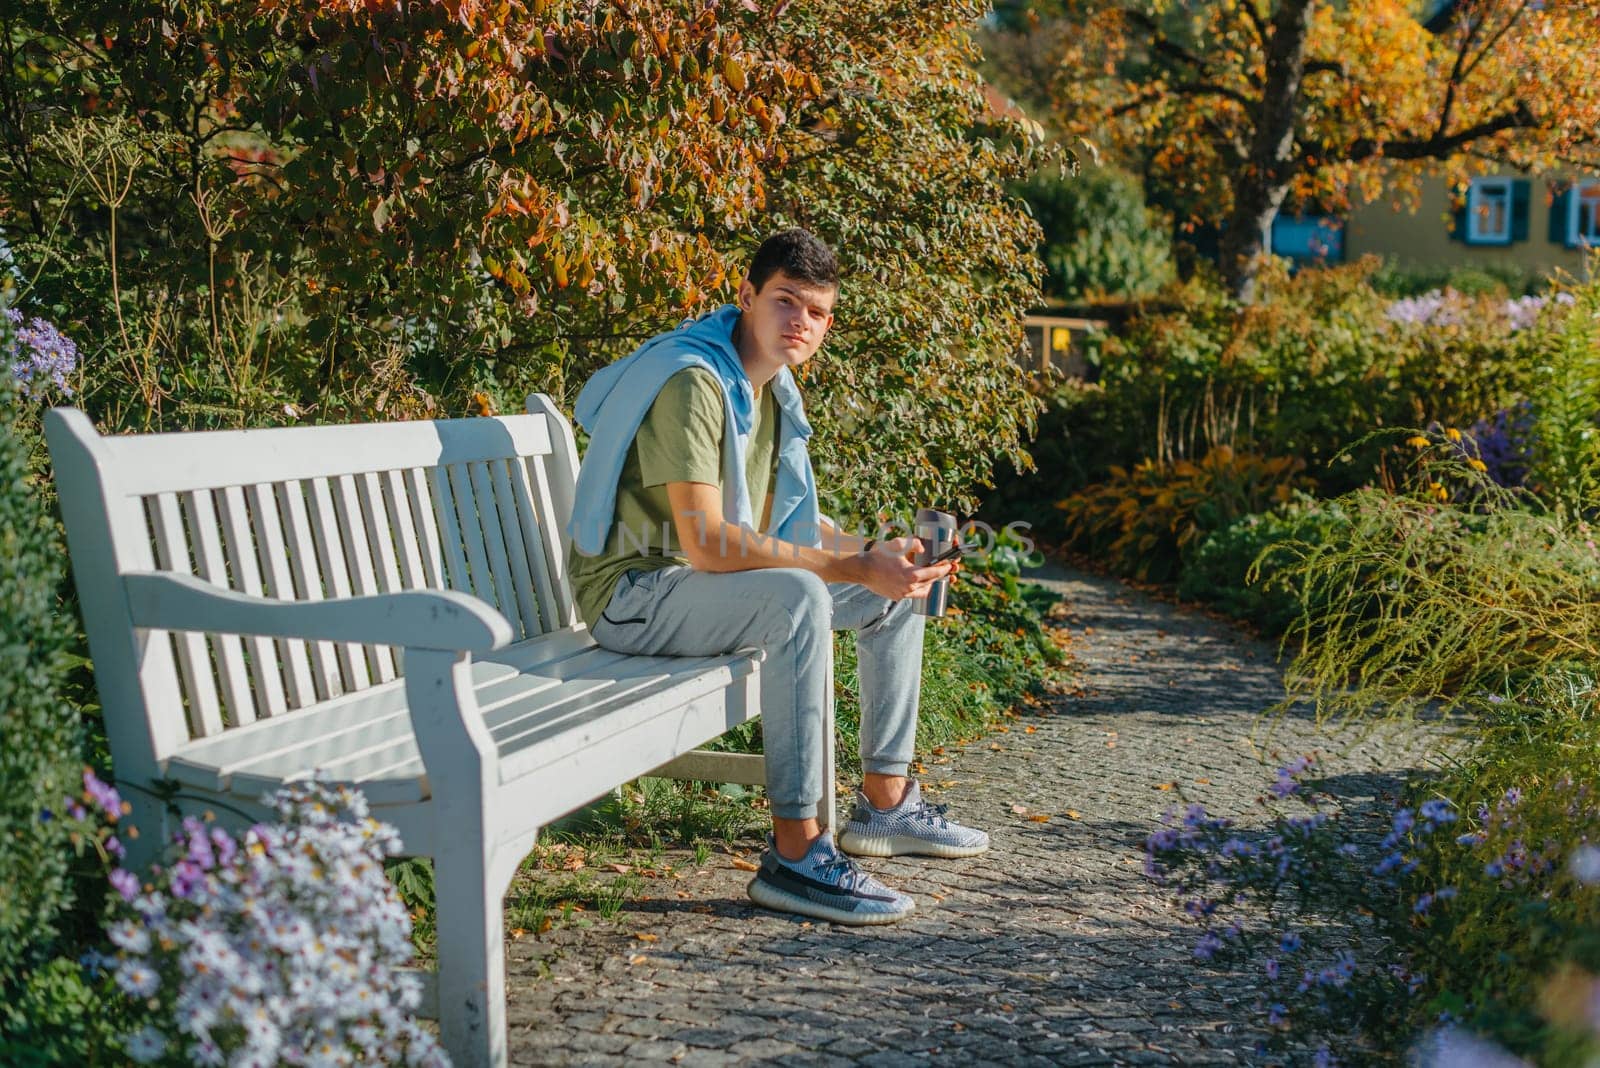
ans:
x=470 y=529
x=408 y=547
x=226 y=649
x=380 y=530
x=279 y=583
x=494 y=541
x=165 y=463
x=420 y=499
x=335 y=575
x=511 y=530
x=240 y=548
x=531 y=538
x=565 y=614
x=308 y=582
x=194 y=657
x=444 y=512
x=357 y=538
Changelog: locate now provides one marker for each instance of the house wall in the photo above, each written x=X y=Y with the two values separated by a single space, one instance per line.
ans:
x=1422 y=238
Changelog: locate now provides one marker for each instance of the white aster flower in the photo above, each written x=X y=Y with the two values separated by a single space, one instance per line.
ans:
x=145 y=1046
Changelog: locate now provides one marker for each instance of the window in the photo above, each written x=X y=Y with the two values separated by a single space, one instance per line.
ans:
x=1489 y=211
x=1583 y=223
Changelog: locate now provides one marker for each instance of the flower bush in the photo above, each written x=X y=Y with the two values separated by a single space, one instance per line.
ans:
x=1145 y=521
x=41 y=744
x=282 y=945
x=1458 y=922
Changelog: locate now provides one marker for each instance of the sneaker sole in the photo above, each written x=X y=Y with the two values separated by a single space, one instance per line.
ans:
x=770 y=897
x=903 y=845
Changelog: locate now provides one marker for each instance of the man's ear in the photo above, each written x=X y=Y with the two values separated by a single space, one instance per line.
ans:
x=747 y=293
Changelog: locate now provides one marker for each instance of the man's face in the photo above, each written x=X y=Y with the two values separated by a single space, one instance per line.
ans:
x=786 y=319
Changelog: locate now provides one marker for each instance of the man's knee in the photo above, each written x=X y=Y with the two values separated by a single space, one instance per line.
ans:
x=798 y=599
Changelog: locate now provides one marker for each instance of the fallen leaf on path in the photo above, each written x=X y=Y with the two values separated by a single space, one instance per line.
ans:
x=1030 y=729
x=1166 y=786
x=638 y=958
x=1021 y=810
x=996 y=747
x=1073 y=814
x=644 y=937
x=1202 y=782
x=745 y=865
x=1040 y=819
x=945 y=784
x=620 y=869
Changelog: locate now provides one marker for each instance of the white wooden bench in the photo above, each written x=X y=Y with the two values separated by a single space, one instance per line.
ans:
x=387 y=604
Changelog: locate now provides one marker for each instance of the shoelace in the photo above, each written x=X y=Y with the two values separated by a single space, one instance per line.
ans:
x=928 y=813
x=851 y=874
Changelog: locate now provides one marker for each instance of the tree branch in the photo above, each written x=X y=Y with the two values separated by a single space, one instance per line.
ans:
x=1520 y=117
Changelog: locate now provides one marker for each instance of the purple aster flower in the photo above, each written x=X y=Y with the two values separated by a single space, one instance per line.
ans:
x=125 y=883
x=1208 y=945
x=39 y=353
x=103 y=794
x=1437 y=811
x=1277 y=1015
x=1290 y=942
x=1272 y=968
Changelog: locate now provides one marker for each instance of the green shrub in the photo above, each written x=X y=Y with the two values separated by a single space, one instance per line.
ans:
x=1100 y=238
x=1478 y=279
x=40 y=748
x=1235 y=572
x=1314 y=365
x=1145 y=521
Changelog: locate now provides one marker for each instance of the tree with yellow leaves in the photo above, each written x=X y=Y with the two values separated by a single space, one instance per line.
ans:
x=1236 y=106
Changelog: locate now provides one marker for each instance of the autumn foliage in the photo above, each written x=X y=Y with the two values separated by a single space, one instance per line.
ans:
x=1239 y=106
x=473 y=196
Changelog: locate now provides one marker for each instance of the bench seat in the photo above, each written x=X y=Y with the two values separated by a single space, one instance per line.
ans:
x=545 y=700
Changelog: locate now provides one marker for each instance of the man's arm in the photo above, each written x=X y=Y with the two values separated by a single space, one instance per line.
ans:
x=713 y=544
x=836 y=539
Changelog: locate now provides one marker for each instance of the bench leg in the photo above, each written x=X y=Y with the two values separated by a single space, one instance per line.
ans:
x=472 y=960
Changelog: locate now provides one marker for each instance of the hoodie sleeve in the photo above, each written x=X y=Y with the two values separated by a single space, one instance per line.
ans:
x=680 y=439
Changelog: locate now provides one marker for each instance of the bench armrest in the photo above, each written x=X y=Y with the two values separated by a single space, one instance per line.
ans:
x=414 y=619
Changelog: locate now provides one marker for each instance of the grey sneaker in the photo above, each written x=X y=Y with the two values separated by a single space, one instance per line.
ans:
x=912 y=827
x=827 y=885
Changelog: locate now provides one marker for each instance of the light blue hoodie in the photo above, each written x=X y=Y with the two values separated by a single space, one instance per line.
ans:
x=616 y=399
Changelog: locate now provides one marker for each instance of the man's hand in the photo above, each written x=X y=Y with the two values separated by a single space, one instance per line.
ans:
x=887 y=571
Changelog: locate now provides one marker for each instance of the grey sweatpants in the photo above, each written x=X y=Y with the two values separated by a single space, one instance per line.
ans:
x=791 y=614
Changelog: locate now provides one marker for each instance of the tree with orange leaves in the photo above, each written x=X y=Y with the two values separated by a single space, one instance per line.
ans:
x=1236 y=106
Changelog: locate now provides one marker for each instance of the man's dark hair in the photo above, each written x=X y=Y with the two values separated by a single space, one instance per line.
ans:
x=798 y=254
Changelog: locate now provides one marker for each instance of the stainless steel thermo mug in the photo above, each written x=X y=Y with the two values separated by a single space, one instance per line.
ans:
x=937 y=532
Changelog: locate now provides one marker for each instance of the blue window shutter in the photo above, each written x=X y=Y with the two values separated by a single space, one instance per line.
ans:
x=1521 y=196
x=1560 y=211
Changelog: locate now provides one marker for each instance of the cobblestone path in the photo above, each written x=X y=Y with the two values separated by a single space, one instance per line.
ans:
x=1050 y=949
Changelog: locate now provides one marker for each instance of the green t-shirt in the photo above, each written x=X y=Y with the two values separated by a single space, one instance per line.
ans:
x=680 y=440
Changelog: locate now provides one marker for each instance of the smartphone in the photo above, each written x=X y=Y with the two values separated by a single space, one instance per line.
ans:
x=949 y=554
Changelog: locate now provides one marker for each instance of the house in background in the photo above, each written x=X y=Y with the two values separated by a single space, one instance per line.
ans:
x=1538 y=224
x=1534 y=224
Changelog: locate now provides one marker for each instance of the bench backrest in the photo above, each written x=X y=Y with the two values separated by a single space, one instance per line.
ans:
x=301 y=513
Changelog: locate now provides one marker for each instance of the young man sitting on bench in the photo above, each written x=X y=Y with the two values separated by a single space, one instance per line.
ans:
x=697 y=533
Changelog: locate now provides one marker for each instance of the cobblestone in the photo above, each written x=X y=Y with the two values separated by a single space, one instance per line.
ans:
x=1051 y=949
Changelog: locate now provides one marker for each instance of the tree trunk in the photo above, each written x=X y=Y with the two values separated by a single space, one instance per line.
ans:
x=1263 y=182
